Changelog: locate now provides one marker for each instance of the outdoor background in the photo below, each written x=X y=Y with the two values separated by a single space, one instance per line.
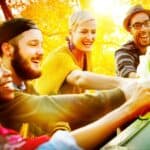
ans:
x=52 y=18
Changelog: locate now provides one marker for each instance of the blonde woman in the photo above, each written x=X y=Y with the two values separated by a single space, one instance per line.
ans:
x=61 y=69
x=66 y=70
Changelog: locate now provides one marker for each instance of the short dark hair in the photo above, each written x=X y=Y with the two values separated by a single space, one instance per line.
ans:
x=12 y=28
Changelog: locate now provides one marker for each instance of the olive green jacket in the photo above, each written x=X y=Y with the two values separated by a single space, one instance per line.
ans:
x=46 y=111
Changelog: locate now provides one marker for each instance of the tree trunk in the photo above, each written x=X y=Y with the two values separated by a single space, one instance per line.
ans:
x=6 y=11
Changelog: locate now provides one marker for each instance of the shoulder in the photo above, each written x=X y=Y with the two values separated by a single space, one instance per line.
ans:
x=62 y=49
x=59 y=53
x=127 y=48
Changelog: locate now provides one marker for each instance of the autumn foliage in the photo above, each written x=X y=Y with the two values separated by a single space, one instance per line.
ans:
x=52 y=18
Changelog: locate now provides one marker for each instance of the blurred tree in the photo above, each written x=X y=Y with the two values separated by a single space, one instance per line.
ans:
x=52 y=18
x=6 y=11
x=144 y=3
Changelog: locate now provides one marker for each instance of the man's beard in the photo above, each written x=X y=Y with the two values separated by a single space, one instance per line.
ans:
x=22 y=68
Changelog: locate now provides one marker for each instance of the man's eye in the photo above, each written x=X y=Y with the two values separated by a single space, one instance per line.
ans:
x=33 y=44
x=93 y=32
x=147 y=22
x=137 y=25
x=83 y=31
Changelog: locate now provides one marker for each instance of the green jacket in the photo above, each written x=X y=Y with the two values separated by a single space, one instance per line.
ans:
x=46 y=111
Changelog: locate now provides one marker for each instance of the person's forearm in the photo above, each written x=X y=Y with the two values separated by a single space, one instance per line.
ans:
x=103 y=128
x=99 y=81
x=89 y=80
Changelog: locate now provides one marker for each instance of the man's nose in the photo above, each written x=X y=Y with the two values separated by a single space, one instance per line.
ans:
x=144 y=27
x=40 y=52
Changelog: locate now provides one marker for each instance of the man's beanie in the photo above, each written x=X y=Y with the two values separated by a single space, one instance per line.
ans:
x=12 y=28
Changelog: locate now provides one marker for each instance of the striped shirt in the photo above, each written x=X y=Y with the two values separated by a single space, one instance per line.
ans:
x=127 y=59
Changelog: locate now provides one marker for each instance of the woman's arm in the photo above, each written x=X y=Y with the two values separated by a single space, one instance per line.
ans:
x=89 y=80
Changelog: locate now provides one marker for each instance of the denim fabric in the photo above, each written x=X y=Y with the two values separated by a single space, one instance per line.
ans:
x=61 y=140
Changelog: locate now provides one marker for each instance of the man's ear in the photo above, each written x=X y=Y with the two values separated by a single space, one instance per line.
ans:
x=129 y=29
x=7 y=49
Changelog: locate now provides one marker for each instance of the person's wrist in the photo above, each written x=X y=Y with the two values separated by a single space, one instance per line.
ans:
x=132 y=75
x=128 y=86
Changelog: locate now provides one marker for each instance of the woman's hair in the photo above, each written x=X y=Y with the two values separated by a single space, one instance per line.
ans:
x=78 y=17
